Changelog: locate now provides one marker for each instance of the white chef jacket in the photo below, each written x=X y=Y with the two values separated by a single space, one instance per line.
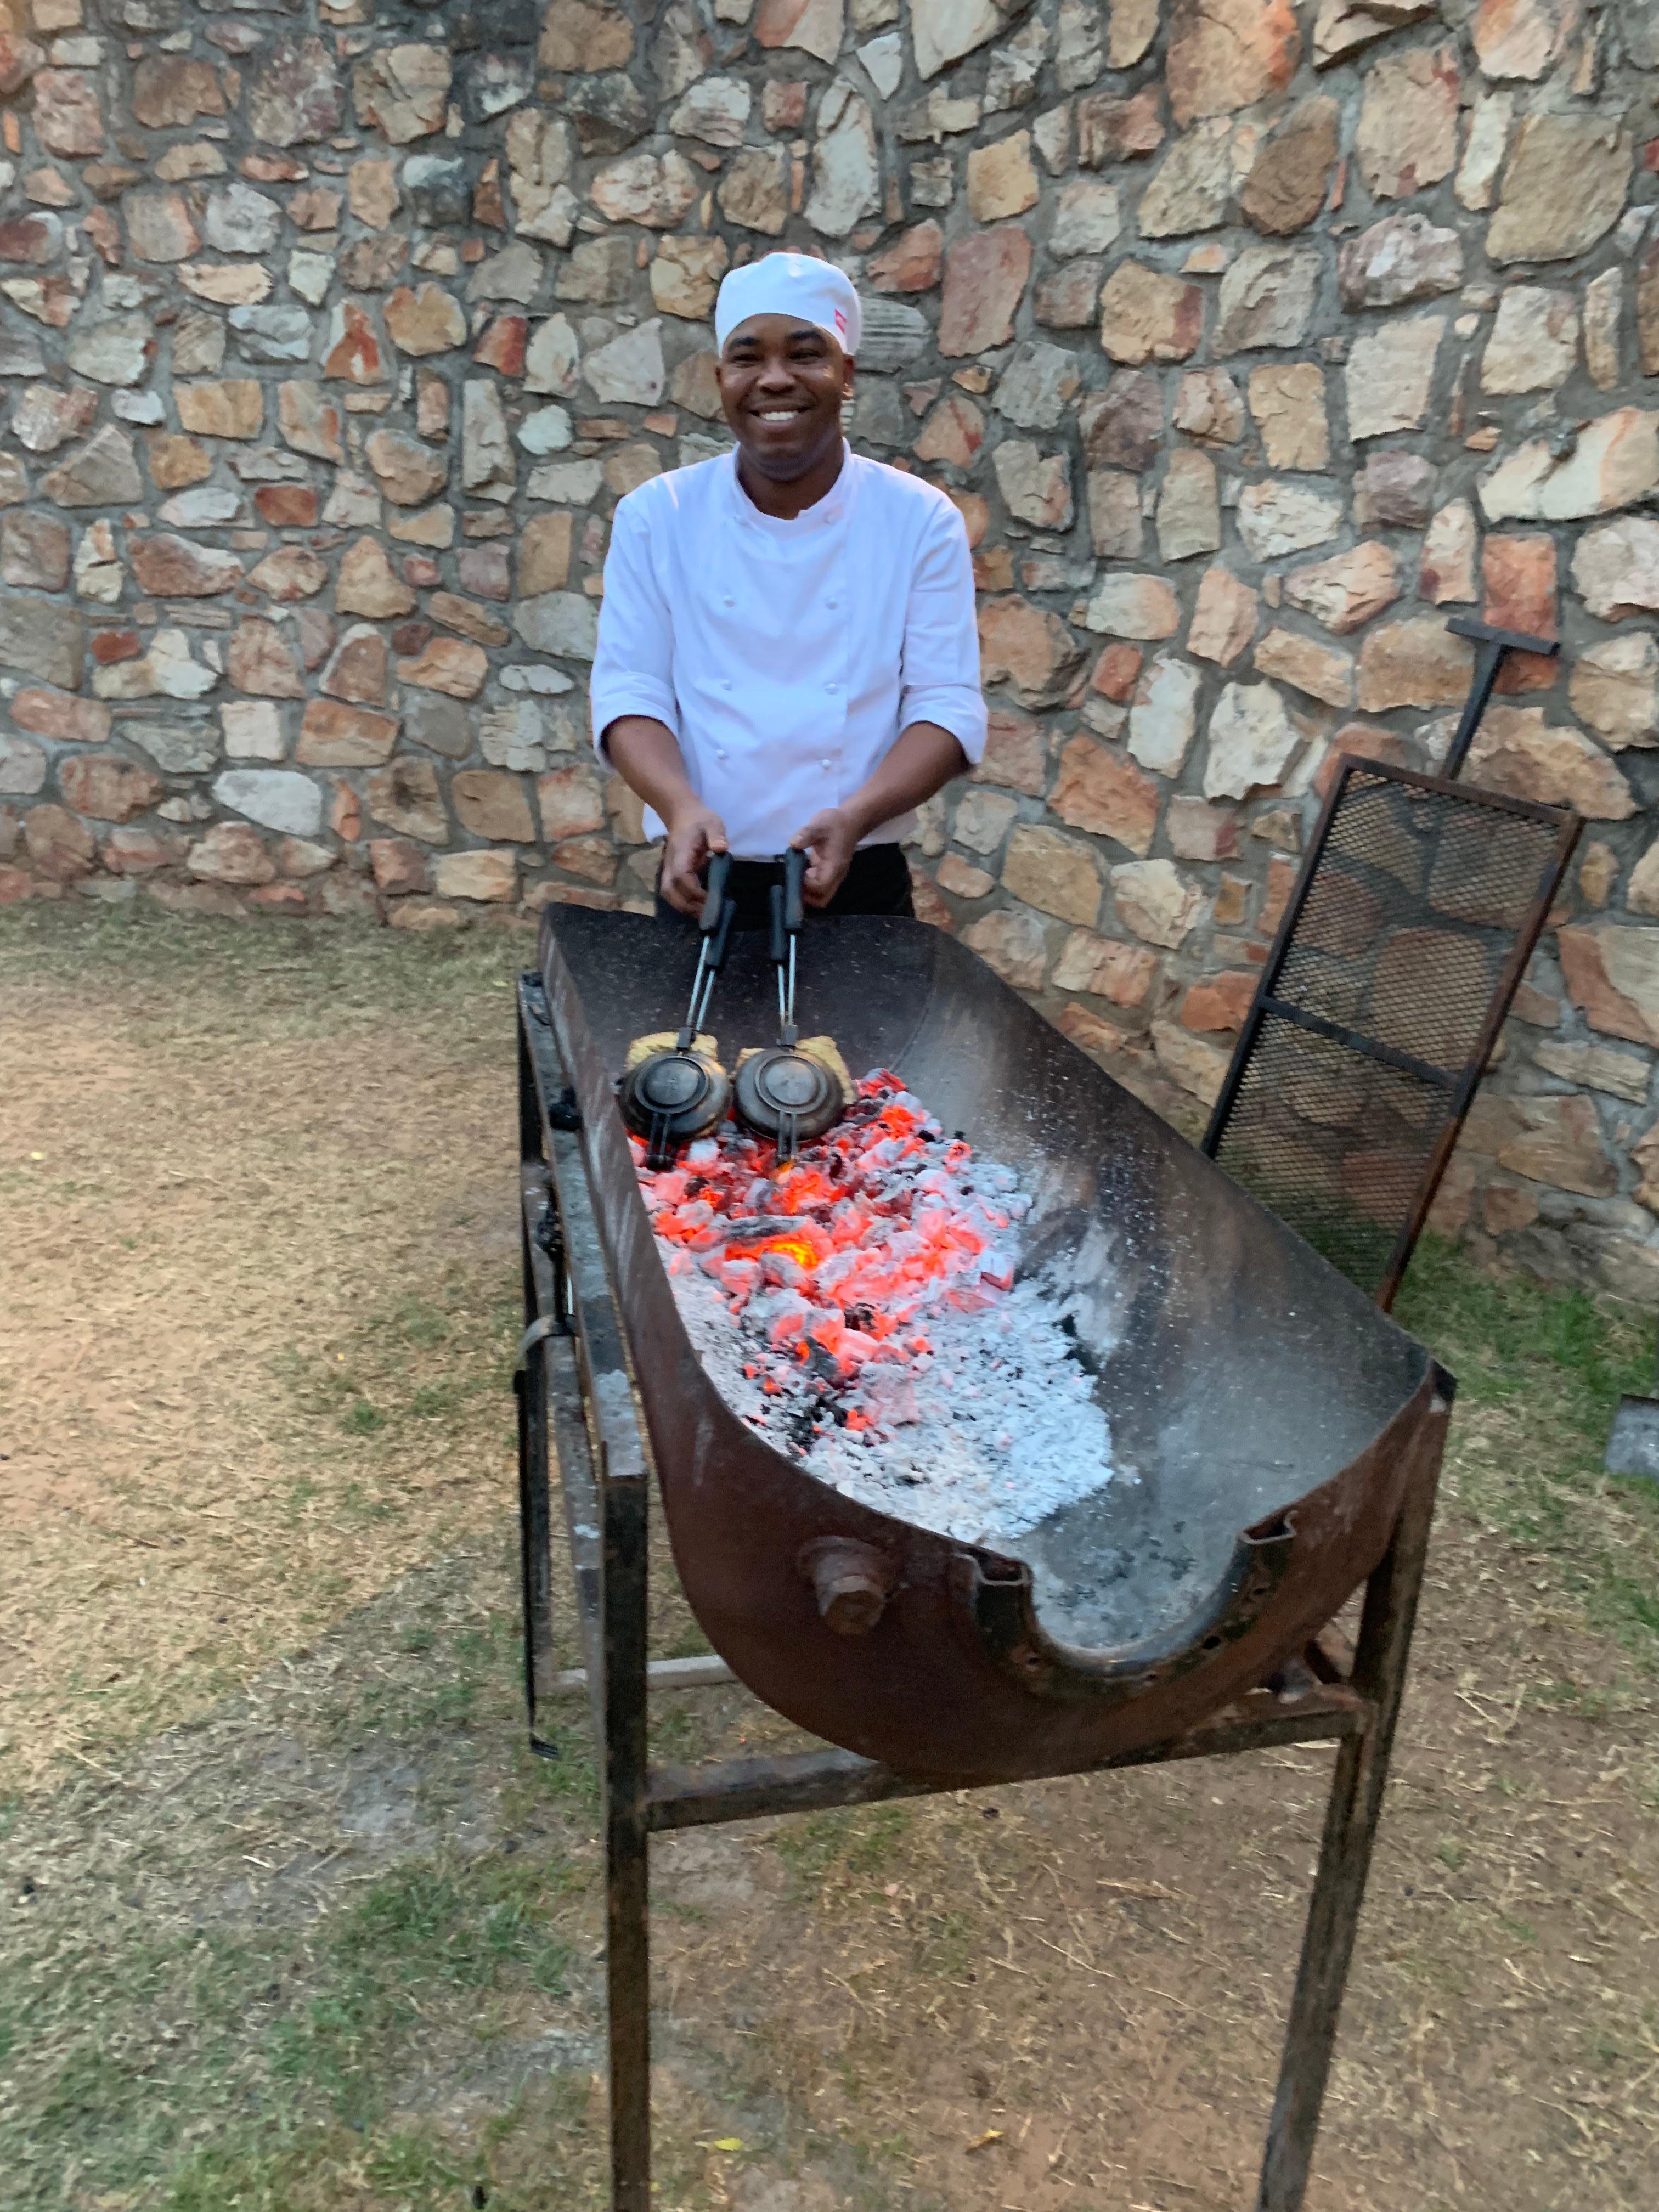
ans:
x=786 y=656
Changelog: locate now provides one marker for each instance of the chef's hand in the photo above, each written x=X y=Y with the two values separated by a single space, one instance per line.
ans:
x=695 y=834
x=829 y=837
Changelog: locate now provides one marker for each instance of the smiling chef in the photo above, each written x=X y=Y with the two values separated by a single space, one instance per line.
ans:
x=787 y=653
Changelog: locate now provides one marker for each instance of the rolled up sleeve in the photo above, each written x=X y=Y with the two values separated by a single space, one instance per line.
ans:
x=633 y=661
x=938 y=681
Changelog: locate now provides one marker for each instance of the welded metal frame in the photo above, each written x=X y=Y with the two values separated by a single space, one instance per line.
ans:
x=576 y=1407
x=1456 y=1085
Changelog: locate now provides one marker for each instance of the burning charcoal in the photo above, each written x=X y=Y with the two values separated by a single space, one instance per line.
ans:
x=862 y=1311
x=784 y=1268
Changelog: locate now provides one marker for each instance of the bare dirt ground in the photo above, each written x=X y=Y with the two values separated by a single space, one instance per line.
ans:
x=288 y=1920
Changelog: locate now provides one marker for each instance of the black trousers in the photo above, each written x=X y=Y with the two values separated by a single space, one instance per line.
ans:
x=878 y=881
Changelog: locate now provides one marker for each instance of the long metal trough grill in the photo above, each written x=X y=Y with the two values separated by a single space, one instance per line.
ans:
x=1282 y=1441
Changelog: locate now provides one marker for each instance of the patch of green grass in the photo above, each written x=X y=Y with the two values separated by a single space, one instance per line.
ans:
x=439 y=1402
x=419 y=1321
x=406 y=2161
x=143 y=2051
x=429 y=1923
x=149 y=2063
x=417 y=1372
x=302 y=1492
x=1540 y=1370
x=1643 y=1605
x=833 y=1850
x=271 y=2179
x=945 y=1944
x=1508 y=1334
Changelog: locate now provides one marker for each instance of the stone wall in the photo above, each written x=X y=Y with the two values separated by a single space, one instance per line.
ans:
x=1251 y=339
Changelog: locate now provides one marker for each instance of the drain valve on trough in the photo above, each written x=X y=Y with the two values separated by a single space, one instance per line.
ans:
x=851 y=1581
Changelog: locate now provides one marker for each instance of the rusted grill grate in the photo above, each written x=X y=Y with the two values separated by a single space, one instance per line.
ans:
x=1411 y=925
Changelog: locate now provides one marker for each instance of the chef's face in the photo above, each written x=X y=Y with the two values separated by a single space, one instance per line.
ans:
x=782 y=382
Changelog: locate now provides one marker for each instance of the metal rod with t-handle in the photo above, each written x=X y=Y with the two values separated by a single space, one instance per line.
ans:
x=716 y=924
x=1492 y=646
x=784 y=1093
x=788 y=905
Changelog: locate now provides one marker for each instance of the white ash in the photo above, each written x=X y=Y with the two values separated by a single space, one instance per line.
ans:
x=989 y=1423
x=1004 y=1428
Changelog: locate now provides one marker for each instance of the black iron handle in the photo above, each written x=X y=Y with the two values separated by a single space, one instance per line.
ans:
x=779 y=947
x=1492 y=645
x=715 y=946
x=715 y=903
x=794 y=890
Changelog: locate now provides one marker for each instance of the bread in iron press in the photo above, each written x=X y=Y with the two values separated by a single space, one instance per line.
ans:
x=665 y=1041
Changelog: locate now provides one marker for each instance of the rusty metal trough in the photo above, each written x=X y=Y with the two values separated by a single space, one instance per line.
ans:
x=1278 y=1441
x=1264 y=1412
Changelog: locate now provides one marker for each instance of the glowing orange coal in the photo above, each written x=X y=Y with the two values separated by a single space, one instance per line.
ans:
x=797 y=1248
x=830 y=1263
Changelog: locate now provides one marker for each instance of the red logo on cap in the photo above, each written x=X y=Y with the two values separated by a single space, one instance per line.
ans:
x=841 y=320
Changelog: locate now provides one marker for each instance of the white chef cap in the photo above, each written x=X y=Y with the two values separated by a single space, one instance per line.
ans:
x=790 y=284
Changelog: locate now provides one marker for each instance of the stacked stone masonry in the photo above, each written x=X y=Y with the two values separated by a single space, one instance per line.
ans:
x=1252 y=339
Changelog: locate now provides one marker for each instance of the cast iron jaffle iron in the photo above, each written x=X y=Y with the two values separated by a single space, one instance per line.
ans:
x=784 y=1093
x=672 y=1098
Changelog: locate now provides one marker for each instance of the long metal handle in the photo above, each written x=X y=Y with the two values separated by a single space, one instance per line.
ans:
x=715 y=899
x=789 y=919
x=794 y=889
x=710 y=961
x=1492 y=645
x=711 y=956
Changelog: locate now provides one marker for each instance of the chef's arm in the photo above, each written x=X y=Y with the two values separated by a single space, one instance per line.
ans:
x=922 y=760
x=646 y=754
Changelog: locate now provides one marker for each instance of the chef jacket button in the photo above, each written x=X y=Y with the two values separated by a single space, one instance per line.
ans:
x=731 y=602
x=832 y=687
x=726 y=683
x=824 y=764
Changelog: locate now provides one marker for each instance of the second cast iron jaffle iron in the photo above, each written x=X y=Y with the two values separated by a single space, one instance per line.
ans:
x=784 y=1093
x=671 y=1098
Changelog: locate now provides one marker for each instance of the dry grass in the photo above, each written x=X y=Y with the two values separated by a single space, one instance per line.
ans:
x=245 y=1192
x=327 y=1942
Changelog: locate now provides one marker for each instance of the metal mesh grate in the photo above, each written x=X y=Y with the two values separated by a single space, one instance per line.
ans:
x=1415 y=912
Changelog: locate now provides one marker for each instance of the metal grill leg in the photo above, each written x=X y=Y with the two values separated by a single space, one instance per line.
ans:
x=530 y=1386
x=627 y=1841
x=1345 y=1856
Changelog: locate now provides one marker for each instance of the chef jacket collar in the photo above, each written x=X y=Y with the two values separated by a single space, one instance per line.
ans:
x=837 y=501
